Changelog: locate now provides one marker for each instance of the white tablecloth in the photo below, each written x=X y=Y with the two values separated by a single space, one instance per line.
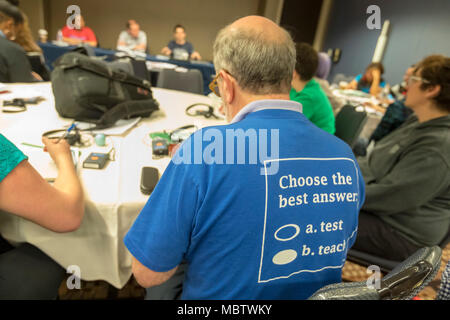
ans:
x=113 y=196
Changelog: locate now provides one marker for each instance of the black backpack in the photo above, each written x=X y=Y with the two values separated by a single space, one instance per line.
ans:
x=90 y=90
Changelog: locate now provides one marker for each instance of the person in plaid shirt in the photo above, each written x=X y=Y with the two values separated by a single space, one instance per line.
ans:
x=444 y=290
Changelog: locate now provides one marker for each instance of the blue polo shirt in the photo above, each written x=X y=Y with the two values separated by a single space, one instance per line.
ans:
x=263 y=208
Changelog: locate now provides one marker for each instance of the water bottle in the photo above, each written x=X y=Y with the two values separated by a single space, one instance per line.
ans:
x=59 y=36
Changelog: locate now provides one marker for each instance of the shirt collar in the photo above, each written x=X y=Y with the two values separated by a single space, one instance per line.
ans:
x=267 y=105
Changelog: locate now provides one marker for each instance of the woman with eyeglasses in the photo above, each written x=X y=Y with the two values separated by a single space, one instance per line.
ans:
x=407 y=174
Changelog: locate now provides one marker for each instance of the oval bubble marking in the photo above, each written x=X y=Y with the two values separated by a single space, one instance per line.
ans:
x=284 y=257
x=297 y=231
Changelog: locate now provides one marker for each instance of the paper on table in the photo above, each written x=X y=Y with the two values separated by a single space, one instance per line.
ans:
x=151 y=65
x=118 y=129
x=42 y=161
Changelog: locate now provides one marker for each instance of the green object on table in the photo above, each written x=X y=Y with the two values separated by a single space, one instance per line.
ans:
x=161 y=135
x=32 y=145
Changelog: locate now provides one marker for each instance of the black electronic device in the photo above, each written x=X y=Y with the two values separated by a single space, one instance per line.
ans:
x=149 y=179
x=96 y=160
x=160 y=147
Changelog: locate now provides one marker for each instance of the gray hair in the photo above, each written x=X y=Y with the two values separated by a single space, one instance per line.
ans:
x=260 y=65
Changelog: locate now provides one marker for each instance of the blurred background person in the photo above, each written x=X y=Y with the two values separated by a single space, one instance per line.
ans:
x=308 y=92
x=371 y=81
x=14 y=64
x=133 y=39
x=179 y=48
x=80 y=34
x=407 y=173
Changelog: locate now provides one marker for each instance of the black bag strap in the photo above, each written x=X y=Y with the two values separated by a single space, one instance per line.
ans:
x=127 y=110
x=76 y=60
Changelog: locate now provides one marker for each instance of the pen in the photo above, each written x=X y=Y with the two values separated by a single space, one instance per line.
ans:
x=66 y=133
x=32 y=145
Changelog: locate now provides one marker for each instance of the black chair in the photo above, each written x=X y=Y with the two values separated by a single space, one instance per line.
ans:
x=38 y=65
x=367 y=259
x=349 y=123
x=404 y=282
x=189 y=81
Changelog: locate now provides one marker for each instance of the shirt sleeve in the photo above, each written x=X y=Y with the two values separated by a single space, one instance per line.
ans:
x=189 y=48
x=90 y=35
x=160 y=236
x=392 y=119
x=122 y=36
x=3 y=70
x=143 y=38
x=358 y=77
x=10 y=157
x=416 y=179
x=19 y=68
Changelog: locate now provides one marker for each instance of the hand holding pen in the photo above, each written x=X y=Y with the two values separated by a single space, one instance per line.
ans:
x=72 y=126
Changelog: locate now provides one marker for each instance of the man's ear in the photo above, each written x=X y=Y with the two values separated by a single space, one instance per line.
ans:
x=228 y=87
x=432 y=91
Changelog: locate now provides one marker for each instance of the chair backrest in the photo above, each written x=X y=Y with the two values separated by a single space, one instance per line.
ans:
x=403 y=282
x=38 y=65
x=189 y=81
x=349 y=123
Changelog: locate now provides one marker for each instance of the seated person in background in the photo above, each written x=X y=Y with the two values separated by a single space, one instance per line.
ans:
x=133 y=38
x=25 y=271
x=216 y=212
x=407 y=173
x=179 y=48
x=14 y=64
x=323 y=70
x=34 y=53
x=371 y=81
x=24 y=38
x=80 y=34
x=307 y=91
x=395 y=114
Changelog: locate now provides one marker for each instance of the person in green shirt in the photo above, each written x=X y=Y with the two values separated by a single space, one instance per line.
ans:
x=308 y=92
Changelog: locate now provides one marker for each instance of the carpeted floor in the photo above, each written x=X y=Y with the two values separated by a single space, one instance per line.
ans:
x=101 y=290
x=354 y=272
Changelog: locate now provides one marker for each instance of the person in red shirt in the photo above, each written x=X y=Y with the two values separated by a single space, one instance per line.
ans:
x=74 y=36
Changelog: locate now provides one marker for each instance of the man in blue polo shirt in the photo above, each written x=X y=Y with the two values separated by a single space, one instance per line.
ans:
x=263 y=208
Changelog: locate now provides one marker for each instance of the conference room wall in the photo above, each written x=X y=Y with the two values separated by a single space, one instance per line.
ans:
x=418 y=28
x=35 y=13
x=202 y=19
